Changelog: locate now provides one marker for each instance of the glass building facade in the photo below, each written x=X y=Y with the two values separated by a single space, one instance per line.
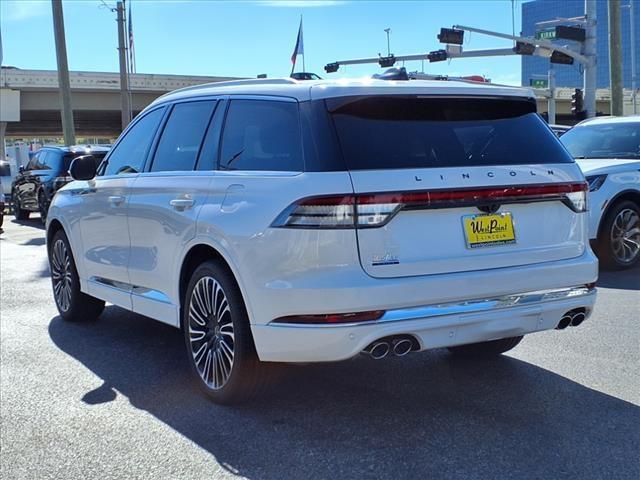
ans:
x=534 y=67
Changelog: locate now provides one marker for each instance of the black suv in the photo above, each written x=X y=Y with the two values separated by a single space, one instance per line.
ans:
x=47 y=171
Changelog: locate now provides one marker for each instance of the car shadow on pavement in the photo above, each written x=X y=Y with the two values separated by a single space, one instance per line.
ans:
x=32 y=222
x=424 y=415
x=620 y=279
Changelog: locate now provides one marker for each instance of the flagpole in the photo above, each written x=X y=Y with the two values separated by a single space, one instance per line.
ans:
x=303 y=67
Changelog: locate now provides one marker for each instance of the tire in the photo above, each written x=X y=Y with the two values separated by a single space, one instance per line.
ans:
x=486 y=349
x=622 y=220
x=20 y=213
x=72 y=304
x=220 y=348
x=43 y=207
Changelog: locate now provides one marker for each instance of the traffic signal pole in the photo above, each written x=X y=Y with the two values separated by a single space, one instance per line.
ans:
x=551 y=102
x=615 y=57
x=590 y=54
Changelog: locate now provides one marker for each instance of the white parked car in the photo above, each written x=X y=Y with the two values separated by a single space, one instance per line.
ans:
x=287 y=221
x=608 y=152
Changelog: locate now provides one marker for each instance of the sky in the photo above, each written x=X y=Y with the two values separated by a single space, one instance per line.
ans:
x=247 y=38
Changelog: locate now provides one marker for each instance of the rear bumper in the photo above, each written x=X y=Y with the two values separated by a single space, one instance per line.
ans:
x=433 y=326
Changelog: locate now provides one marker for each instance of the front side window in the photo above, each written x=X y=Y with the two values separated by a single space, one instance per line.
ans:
x=182 y=136
x=33 y=163
x=605 y=140
x=130 y=153
x=262 y=135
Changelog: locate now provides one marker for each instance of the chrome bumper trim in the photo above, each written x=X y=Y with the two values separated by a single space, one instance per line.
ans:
x=462 y=307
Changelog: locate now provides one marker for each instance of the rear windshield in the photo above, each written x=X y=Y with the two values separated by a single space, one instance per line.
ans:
x=409 y=132
x=69 y=157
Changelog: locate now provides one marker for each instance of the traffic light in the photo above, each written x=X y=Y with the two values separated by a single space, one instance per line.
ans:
x=577 y=103
x=562 y=58
x=387 y=61
x=331 y=67
x=451 y=35
x=437 y=56
x=524 y=48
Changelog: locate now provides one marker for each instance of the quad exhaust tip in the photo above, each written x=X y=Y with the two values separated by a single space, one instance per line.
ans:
x=572 y=318
x=402 y=347
x=397 y=345
x=379 y=350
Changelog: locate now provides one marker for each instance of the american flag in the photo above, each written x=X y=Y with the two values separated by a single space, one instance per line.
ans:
x=299 y=48
x=132 y=51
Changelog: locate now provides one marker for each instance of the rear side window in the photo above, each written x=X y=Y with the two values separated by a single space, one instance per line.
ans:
x=262 y=135
x=182 y=136
x=412 y=132
x=130 y=153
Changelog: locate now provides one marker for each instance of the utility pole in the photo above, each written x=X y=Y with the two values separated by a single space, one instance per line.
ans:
x=615 y=57
x=634 y=74
x=634 y=71
x=122 y=51
x=590 y=52
x=63 y=73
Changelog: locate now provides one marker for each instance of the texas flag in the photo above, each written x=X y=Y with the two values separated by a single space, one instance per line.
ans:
x=299 y=50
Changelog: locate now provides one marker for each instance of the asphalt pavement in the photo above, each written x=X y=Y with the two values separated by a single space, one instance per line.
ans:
x=113 y=399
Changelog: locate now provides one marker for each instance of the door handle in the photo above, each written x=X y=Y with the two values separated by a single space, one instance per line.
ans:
x=116 y=200
x=181 y=204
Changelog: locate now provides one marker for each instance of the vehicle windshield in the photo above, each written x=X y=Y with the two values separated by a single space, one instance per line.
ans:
x=387 y=132
x=608 y=140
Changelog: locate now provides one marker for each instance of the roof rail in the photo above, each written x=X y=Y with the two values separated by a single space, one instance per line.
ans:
x=230 y=83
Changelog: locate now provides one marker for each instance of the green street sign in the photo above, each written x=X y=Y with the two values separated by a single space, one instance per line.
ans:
x=547 y=34
x=539 y=82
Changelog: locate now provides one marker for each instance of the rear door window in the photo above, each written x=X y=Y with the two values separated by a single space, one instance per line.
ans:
x=182 y=137
x=262 y=135
x=389 y=132
x=130 y=153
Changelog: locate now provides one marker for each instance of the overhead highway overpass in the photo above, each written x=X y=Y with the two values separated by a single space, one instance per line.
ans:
x=30 y=100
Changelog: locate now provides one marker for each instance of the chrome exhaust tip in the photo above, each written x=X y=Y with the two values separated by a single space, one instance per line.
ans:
x=379 y=350
x=402 y=347
x=577 y=319
x=564 y=322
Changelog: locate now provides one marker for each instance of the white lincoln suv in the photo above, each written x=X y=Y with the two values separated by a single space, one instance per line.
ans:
x=607 y=149
x=288 y=221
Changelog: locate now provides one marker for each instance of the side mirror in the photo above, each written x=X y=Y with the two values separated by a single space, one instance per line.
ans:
x=83 y=168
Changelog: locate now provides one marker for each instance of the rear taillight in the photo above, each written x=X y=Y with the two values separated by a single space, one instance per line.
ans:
x=319 y=212
x=372 y=210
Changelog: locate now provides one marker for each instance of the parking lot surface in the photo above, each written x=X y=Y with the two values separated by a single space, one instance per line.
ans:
x=113 y=399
